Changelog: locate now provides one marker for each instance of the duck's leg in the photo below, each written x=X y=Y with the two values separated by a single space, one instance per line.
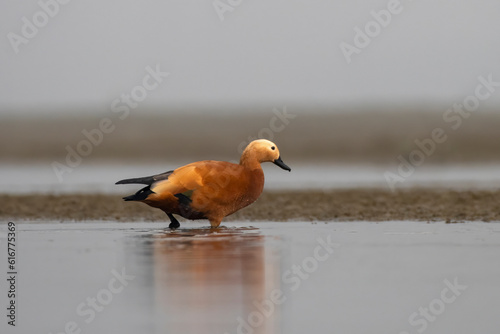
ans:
x=174 y=223
x=214 y=223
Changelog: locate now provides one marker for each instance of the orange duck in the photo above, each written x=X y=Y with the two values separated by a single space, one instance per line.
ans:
x=208 y=189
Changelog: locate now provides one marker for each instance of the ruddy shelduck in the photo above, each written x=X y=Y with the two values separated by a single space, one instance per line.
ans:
x=209 y=189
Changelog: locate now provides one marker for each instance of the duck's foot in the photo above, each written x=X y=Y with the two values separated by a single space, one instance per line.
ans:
x=174 y=223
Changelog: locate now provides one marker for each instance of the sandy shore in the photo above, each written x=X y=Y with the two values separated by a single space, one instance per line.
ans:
x=334 y=205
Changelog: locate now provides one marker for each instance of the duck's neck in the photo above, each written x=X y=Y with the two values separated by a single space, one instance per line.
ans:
x=249 y=161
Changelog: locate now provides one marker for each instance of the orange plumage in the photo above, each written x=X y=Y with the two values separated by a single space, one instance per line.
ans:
x=209 y=189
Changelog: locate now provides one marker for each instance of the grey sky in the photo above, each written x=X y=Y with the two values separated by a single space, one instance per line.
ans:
x=264 y=51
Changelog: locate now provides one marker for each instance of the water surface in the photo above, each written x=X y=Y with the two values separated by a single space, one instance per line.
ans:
x=356 y=277
x=100 y=178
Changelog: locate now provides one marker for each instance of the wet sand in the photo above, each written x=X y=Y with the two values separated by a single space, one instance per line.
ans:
x=299 y=205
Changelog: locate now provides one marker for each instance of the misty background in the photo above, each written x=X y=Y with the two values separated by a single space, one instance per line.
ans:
x=226 y=79
x=264 y=52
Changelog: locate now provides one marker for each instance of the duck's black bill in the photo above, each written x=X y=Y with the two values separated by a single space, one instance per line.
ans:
x=278 y=162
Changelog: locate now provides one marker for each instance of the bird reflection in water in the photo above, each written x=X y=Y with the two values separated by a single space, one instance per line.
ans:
x=212 y=280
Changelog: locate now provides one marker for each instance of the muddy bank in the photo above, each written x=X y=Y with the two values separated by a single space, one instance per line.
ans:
x=352 y=136
x=334 y=205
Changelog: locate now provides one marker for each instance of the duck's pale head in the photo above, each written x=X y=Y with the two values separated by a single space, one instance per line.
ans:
x=264 y=150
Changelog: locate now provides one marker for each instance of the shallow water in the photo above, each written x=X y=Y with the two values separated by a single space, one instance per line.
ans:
x=92 y=178
x=356 y=277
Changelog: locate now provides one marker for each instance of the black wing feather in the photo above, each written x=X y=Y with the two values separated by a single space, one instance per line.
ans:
x=149 y=180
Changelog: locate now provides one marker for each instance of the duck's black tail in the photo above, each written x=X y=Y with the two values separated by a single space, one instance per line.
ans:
x=147 y=179
x=146 y=191
x=140 y=180
x=140 y=195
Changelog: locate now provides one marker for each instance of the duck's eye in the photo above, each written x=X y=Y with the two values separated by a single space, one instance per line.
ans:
x=273 y=148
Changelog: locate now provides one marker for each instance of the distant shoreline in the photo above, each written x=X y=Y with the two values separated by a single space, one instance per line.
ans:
x=373 y=137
